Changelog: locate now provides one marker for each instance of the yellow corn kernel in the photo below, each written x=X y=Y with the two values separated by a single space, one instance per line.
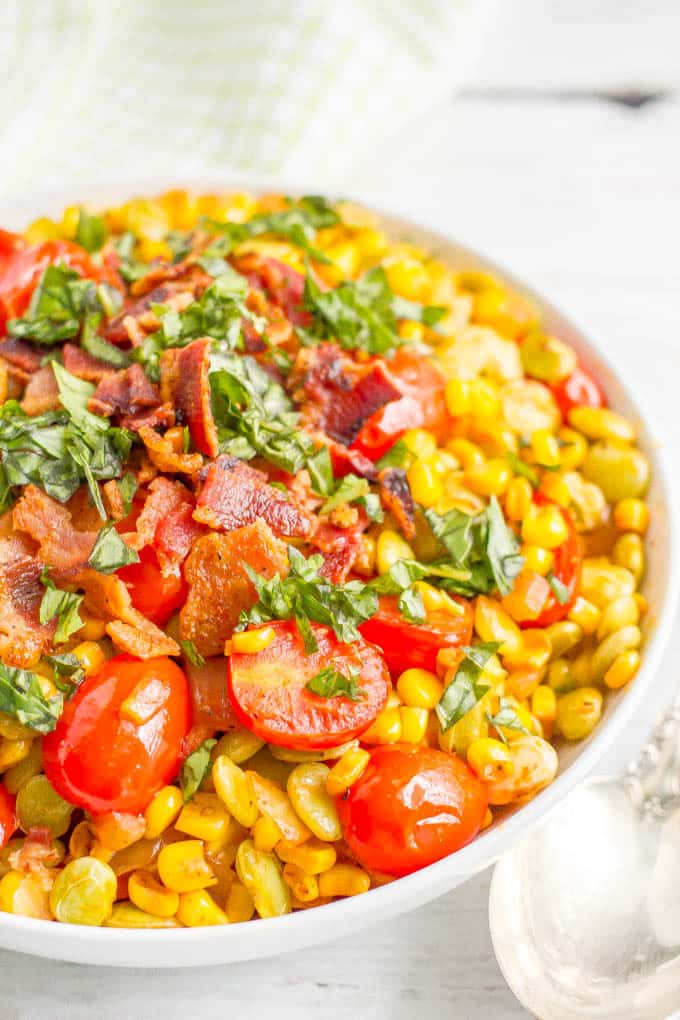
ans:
x=622 y=640
x=525 y=718
x=545 y=448
x=521 y=683
x=312 y=857
x=487 y=820
x=518 y=498
x=580 y=670
x=198 y=909
x=147 y=893
x=19 y=774
x=601 y=423
x=564 y=635
x=409 y=330
x=266 y=833
x=344 y=880
x=145 y=700
x=13 y=751
x=533 y=651
x=248 y=642
x=24 y=895
x=346 y=256
x=629 y=552
x=347 y=770
x=559 y=676
x=406 y=276
x=641 y=602
x=554 y=486
x=413 y=724
x=545 y=526
x=235 y=789
x=90 y=656
x=93 y=628
x=425 y=482
x=240 y=906
x=622 y=670
x=578 y=712
x=493 y=623
x=631 y=515
x=457 y=396
x=419 y=442
x=573 y=448
x=490 y=478
x=162 y=811
x=364 y=563
x=585 y=614
x=370 y=241
x=386 y=728
x=304 y=887
x=465 y=452
x=42 y=229
x=537 y=558
x=418 y=688
x=183 y=868
x=204 y=817
x=544 y=704
x=393 y=699
x=602 y=582
x=622 y=612
x=391 y=548
x=489 y=759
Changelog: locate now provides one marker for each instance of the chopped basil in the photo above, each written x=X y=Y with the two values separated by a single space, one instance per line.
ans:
x=506 y=717
x=298 y=224
x=321 y=471
x=110 y=552
x=191 y=653
x=559 y=589
x=467 y=687
x=59 y=305
x=358 y=314
x=127 y=487
x=520 y=467
x=63 y=605
x=330 y=683
x=21 y=697
x=195 y=768
x=68 y=672
x=100 y=348
x=349 y=489
x=130 y=269
x=429 y=315
x=91 y=231
x=398 y=455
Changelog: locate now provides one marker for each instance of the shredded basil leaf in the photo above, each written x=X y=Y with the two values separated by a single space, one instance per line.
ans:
x=398 y=455
x=506 y=717
x=331 y=683
x=110 y=552
x=520 y=467
x=60 y=304
x=559 y=589
x=21 y=697
x=194 y=769
x=358 y=313
x=192 y=654
x=467 y=686
x=62 y=604
x=91 y=231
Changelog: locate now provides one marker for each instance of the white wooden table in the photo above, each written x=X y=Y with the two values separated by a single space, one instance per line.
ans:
x=580 y=194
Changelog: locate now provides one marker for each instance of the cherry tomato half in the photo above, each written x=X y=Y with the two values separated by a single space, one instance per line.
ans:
x=576 y=390
x=421 y=406
x=120 y=736
x=568 y=558
x=270 y=695
x=411 y=807
x=8 y=818
x=155 y=596
x=406 y=645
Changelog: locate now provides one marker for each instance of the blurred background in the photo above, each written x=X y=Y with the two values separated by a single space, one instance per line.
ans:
x=545 y=133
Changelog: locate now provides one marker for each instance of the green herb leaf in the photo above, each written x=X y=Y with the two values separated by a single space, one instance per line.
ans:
x=59 y=304
x=62 y=604
x=559 y=589
x=192 y=654
x=520 y=467
x=74 y=394
x=110 y=552
x=349 y=489
x=429 y=315
x=91 y=231
x=127 y=487
x=358 y=314
x=22 y=698
x=467 y=687
x=130 y=269
x=321 y=471
x=506 y=717
x=194 y=769
x=100 y=348
x=298 y=224
x=68 y=672
x=398 y=455
x=330 y=683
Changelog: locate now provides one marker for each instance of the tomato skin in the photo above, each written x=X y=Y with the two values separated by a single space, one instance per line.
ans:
x=577 y=389
x=407 y=645
x=101 y=761
x=155 y=596
x=8 y=818
x=566 y=568
x=269 y=694
x=411 y=807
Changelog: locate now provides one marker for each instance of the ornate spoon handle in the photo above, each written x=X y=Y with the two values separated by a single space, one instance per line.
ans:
x=653 y=779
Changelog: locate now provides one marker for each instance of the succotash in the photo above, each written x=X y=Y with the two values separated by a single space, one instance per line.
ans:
x=313 y=551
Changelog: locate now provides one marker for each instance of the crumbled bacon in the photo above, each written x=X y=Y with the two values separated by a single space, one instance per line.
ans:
x=157 y=287
x=41 y=393
x=395 y=496
x=175 y=536
x=162 y=417
x=23 y=359
x=125 y=392
x=50 y=525
x=79 y=362
x=232 y=494
x=107 y=597
x=22 y=636
x=340 y=548
x=163 y=496
x=185 y=383
x=113 y=500
x=166 y=522
x=219 y=587
x=212 y=709
x=282 y=284
x=164 y=455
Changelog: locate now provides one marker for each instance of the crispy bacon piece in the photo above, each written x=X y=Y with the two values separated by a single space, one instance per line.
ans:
x=283 y=285
x=166 y=522
x=22 y=636
x=125 y=392
x=219 y=587
x=113 y=500
x=41 y=393
x=107 y=597
x=22 y=358
x=278 y=329
x=189 y=273
x=395 y=496
x=79 y=362
x=175 y=536
x=233 y=494
x=185 y=383
x=346 y=461
x=212 y=709
x=164 y=456
x=50 y=525
x=340 y=548
x=163 y=496
x=337 y=394
x=162 y=417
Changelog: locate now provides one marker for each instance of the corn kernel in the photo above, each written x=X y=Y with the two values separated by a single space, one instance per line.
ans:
x=266 y=833
x=518 y=498
x=545 y=448
x=418 y=688
x=249 y=642
x=93 y=628
x=413 y=724
x=235 y=789
x=533 y=651
x=537 y=558
x=312 y=857
x=90 y=656
x=585 y=614
x=578 y=712
x=573 y=448
x=344 y=880
x=631 y=515
x=183 y=868
x=602 y=582
x=622 y=612
x=393 y=699
x=406 y=277
x=198 y=909
x=544 y=704
x=146 y=699
x=493 y=623
x=641 y=602
x=554 y=486
x=601 y=423
x=386 y=728
x=240 y=906
x=347 y=770
x=487 y=820
x=425 y=482
x=564 y=635
x=521 y=683
x=391 y=548
x=622 y=670
x=465 y=452
x=457 y=395
x=303 y=886
x=364 y=563
x=13 y=751
x=42 y=229
x=489 y=759
x=419 y=442
x=559 y=676
x=628 y=552
x=162 y=811
x=204 y=817
x=545 y=526
x=147 y=893
x=490 y=478
x=346 y=257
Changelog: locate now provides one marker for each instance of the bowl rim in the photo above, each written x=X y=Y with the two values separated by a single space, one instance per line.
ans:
x=198 y=946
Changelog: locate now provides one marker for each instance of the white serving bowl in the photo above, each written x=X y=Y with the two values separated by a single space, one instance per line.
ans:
x=200 y=946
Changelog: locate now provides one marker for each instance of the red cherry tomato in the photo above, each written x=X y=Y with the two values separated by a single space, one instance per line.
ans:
x=155 y=596
x=103 y=756
x=8 y=818
x=270 y=695
x=576 y=390
x=411 y=807
x=566 y=568
x=421 y=406
x=406 y=645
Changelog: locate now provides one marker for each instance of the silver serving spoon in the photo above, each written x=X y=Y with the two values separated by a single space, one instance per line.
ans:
x=585 y=912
